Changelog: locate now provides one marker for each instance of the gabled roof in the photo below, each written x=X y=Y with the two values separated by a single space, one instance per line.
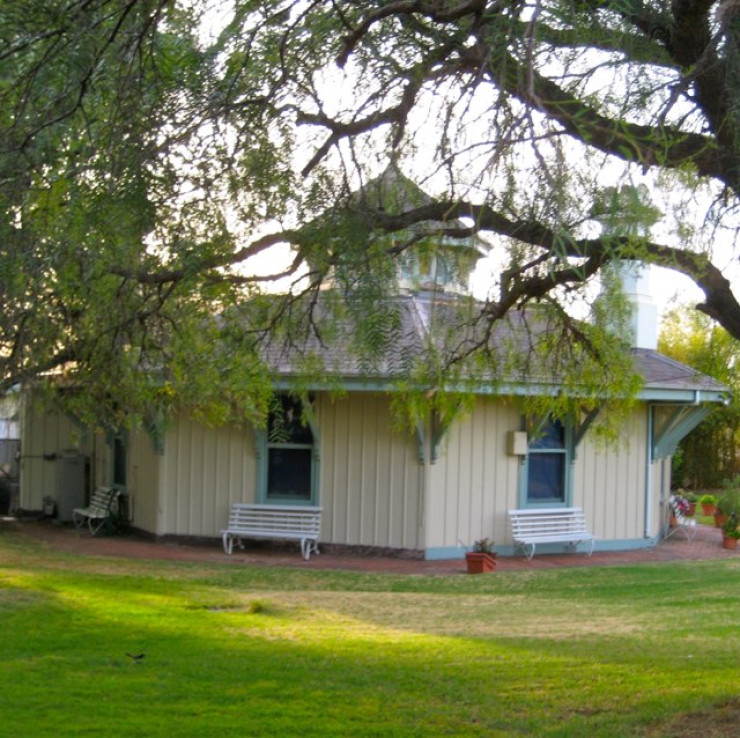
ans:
x=660 y=372
x=394 y=193
x=419 y=318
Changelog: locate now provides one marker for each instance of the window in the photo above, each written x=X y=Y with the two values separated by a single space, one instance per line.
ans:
x=289 y=465
x=546 y=467
x=118 y=448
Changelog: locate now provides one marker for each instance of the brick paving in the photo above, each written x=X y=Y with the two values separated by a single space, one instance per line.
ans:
x=65 y=538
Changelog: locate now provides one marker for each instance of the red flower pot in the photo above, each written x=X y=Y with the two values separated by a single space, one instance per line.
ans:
x=480 y=563
x=729 y=542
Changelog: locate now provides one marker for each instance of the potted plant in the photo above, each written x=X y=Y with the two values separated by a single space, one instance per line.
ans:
x=708 y=504
x=482 y=558
x=730 y=532
x=728 y=503
x=692 y=499
x=720 y=513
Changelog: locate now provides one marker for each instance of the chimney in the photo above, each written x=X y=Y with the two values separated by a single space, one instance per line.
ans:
x=628 y=211
x=635 y=278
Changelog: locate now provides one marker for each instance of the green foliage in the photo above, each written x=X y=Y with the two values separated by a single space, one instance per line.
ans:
x=151 y=169
x=708 y=453
x=728 y=502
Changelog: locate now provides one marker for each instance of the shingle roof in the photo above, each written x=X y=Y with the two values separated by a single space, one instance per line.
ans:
x=418 y=317
x=661 y=372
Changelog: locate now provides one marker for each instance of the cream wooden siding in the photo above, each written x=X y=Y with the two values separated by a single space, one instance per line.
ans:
x=204 y=471
x=609 y=482
x=143 y=481
x=474 y=481
x=46 y=434
x=370 y=484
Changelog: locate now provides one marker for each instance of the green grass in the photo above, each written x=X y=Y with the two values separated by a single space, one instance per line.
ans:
x=241 y=651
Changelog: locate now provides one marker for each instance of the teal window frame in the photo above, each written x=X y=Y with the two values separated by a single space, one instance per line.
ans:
x=267 y=448
x=118 y=444
x=564 y=450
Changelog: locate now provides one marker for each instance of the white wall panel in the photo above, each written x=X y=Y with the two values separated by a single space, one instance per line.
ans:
x=474 y=481
x=370 y=474
x=205 y=471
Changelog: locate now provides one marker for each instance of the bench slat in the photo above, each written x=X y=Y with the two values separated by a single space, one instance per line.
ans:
x=549 y=525
x=281 y=522
x=102 y=506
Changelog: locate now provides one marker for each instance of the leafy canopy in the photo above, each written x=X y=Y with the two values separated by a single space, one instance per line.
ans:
x=155 y=155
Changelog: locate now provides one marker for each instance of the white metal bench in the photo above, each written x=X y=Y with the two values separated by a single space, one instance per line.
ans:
x=277 y=522
x=101 y=510
x=549 y=525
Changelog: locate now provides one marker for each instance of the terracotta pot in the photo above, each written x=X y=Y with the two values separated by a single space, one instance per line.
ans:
x=672 y=520
x=708 y=509
x=479 y=563
x=692 y=510
x=729 y=542
x=719 y=519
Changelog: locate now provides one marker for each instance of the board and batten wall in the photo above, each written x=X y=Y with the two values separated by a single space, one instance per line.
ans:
x=203 y=471
x=143 y=480
x=371 y=476
x=46 y=436
x=610 y=483
x=475 y=481
x=372 y=485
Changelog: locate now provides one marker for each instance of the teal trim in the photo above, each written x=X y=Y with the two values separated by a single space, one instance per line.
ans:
x=446 y=553
x=504 y=389
x=579 y=431
x=422 y=441
x=567 y=451
x=431 y=435
x=678 y=426
x=625 y=544
x=156 y=431
x=262 y=454
x=452 y=553
x=111 y=439
x=440 y=426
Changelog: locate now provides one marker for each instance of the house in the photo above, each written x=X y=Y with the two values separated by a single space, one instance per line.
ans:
x=427 y=491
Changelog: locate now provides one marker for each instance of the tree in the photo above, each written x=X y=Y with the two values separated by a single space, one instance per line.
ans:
x=145 y=165
x=708 y=455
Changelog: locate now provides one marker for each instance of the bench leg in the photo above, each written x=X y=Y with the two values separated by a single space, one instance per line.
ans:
x=228 y=542
x=309 y=546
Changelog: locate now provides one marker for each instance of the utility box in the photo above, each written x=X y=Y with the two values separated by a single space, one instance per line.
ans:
x=516 y=443
x=71 y=484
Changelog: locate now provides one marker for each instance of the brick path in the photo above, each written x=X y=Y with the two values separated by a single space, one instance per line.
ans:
x=706 y=545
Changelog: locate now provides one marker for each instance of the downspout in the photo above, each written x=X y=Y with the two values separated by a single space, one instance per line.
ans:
x=649 y=474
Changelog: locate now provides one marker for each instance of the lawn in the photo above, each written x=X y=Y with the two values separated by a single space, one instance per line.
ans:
x=229 y=650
